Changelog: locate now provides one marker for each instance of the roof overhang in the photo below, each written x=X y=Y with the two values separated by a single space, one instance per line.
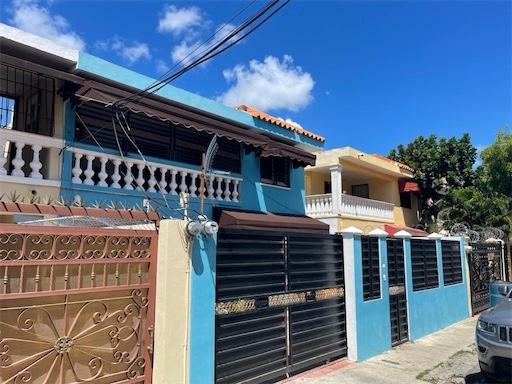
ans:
x=177 y=113
x=266 y=221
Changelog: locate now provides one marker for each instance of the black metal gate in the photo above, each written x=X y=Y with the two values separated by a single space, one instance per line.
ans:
x=280 y=304
x=484 y=268
x=397 y=293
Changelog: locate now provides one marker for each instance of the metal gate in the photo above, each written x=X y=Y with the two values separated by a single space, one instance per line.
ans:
x=280 y=304
x=484 y=267
x=397 y=293
x=77 y=304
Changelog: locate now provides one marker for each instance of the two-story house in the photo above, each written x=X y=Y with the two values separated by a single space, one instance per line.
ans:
x=348 y=187
x=81 y=130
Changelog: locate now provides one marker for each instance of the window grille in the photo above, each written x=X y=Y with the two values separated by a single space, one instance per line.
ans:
x=361 y=190
x=452 y=264
x=26 y=101
x=371 y=268
x=425 y=273
x=275 y=170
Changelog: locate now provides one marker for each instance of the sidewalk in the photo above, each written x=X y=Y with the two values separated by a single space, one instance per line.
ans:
x=405 y=362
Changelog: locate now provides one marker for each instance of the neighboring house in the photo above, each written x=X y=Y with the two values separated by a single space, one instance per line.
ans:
x=81 y=136
x=348 y=187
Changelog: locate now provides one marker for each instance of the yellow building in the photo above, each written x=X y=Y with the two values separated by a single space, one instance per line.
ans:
x=348 y=187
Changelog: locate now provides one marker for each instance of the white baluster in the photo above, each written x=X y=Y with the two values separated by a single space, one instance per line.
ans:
x=235 y=191
x=140 y=177
x=193 y=186
x=35 y=164
x=18 y=161
x=152 y=180
x=3 y=156
x=128 y=178
x=89 y=173
x=210 y=189
x=218 y=191
x=227 y=192
x=163 y=183
x=115 y=175
x=103 y=173
x=183 y=184
x=77 y=170
x=173 y=182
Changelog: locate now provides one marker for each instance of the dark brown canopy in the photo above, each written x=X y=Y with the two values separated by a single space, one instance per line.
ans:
x=266 y=221
x=191 y=117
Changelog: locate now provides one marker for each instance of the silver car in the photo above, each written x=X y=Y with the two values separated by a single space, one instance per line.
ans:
x=494 y=339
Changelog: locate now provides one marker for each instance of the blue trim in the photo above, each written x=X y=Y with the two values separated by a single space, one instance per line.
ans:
x=202 y=311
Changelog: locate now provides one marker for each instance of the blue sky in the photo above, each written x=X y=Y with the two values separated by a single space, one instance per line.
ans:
x=365 y=74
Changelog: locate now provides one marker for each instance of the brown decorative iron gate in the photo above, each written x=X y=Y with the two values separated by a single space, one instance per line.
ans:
x=484 y=268
x=77 y=304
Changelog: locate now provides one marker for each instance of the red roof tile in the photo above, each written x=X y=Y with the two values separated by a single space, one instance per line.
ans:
x=279 y=122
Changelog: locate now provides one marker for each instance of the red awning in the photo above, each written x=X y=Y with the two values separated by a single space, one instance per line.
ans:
x=407 y=186
x=391 y=229
x=266 y=221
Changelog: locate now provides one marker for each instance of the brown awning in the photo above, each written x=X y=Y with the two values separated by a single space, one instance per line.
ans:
x=266 y=221
x=391 y=229
x=407 y=186
x=191 y=117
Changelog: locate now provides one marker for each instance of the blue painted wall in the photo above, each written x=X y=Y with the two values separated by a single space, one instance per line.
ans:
x=202 y=311
x=433 y=309
x=373 y=321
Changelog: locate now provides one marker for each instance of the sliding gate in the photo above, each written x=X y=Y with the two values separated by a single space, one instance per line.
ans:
x=280 y=304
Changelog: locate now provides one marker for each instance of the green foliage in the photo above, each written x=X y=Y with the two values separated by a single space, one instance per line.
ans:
x=496 y=168
x=439 y=165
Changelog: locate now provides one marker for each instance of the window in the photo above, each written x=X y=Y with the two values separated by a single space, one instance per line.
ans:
x=452 y=265
x=371 y=268
x=361 y=190
x=405 y=200
x=26 y=101
x=275 y=170
x=154 y=137
x=425 y=274
x=327 y=187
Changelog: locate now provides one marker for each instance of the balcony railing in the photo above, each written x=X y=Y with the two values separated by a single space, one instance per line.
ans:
x=322 y=206
x=21 y=162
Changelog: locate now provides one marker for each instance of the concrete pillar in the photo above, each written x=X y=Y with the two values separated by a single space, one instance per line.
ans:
x=170 y=359
x=352 y=261
x=336 y=187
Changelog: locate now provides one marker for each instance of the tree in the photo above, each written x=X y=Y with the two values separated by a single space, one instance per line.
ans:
x=496 y=168
x=439 y=166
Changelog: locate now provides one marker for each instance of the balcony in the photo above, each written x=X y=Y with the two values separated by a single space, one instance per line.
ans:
x=319 y=206
x=25 y=159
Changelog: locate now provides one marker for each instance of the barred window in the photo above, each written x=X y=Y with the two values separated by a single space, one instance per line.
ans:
x=275 y=170
x=371 y=268
x=452 y=264
x=425 y=273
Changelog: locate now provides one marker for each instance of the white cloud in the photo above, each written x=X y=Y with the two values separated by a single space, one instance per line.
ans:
x=187 y=50
x=269 y=85
x=290 y=121
x=162 y=66
x=179 y=20
x=479 y=149
x=29 y=16
x=130 y=53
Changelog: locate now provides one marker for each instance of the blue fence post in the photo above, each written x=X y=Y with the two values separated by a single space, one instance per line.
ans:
x=202 y=311
x=353 y=280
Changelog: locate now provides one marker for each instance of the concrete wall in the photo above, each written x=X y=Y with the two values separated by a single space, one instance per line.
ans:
x=368 y=322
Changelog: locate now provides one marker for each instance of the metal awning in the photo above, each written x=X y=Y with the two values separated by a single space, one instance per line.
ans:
x=266 y=221
x=408 y=186
x=191 y=117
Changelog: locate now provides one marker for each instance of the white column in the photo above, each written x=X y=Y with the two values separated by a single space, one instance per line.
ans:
x=18 y=161
x=77 y=171
x=116 y=177
x=89 y=172
x=103 y=173
x=336 y=187
x=235 y=191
